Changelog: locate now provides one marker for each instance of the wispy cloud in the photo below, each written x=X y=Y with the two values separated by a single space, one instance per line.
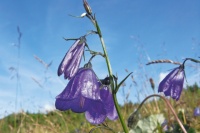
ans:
x=34 y=89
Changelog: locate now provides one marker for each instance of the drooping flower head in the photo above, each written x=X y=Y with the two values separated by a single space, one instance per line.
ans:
x=85 y=93
x=152 y=83
x=172 y=84
x=197 y=111
x=72 y=59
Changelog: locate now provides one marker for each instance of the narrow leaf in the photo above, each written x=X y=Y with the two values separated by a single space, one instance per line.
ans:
x=117 y=88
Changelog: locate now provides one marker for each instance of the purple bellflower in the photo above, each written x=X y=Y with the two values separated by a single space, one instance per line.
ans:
x=172 y=84
x=197 y=111
x=72 y=59
x=85 y=93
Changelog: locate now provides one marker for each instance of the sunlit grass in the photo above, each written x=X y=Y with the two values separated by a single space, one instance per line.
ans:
x=69 y=122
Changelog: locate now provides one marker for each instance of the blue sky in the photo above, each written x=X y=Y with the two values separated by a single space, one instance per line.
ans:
x=134 y=31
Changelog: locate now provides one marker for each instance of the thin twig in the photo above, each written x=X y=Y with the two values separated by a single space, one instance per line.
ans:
x=170 y=107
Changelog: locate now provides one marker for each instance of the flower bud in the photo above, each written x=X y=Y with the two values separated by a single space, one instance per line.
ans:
x=87 y=7
x=152 y=83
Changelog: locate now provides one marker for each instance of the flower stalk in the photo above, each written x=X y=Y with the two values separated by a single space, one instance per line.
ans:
x=119 y=114
x=113 y=86
x=112 y=79
x=168 y=104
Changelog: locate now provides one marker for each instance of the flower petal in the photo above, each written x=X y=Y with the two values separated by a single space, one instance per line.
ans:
x=62 y=105
x=109 y=106
x=164 y=85
x=197 y=111
x=89 y=84
x=172 y=84
x=85 y=83
x=66 y=60
x=78 y=105
x=177 y=85
x=72 y=59
x=72 y=67
x=96 y=114
x=71 y=91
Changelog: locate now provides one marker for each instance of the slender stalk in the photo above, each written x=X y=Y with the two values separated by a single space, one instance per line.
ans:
x=170 y=107
x=106 y=57
x=111 y=75
x=119 y=114
x=112 y=85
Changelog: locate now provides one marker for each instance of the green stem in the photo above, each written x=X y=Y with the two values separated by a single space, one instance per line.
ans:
x=119 y=113
x=111 y=75
x=93 y=20
x=106 y=57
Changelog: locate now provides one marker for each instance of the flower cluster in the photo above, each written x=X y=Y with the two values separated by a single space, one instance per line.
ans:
x=84 y=92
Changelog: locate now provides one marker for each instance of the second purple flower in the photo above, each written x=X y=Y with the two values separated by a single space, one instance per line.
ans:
x=172 y=84
x=72 y=59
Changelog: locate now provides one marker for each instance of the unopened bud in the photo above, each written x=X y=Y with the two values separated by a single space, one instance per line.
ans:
x=152 y=83
x=133 y=119
x=87 y=7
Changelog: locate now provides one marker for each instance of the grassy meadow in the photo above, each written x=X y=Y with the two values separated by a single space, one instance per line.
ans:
x=69 y=122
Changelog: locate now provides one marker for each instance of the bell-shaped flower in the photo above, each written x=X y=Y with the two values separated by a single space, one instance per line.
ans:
x=172 y=84
x=72 y=59
x=197 y=111
x=84 y=93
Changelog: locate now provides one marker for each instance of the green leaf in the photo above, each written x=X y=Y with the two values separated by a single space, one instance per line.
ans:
x=148 y=124
x=117 y=88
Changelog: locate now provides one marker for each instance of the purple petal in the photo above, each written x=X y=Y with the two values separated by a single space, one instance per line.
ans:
x=85 y=83
x=62 y=105
x=109 y=106
x=96 y=114
x=71 y=91
x=197 y=111
x=177 y=86
x=78 y=105
x=68 y=56
x=164 y=85
x=172 y=84
x=89 y=84
x=72 y=59
x=72 y=67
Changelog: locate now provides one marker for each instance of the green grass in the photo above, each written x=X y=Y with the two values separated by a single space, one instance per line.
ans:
x=69 y=122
